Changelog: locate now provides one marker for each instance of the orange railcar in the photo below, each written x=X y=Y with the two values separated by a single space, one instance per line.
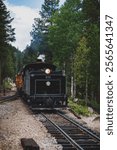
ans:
x=19 y=81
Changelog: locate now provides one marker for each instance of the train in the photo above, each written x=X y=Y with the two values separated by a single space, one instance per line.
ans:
x=42 y=86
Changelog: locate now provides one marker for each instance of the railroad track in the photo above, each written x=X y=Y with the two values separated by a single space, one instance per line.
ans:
x=70 y=134
x=8 y=98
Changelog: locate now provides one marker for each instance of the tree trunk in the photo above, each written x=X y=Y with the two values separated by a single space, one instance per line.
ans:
x=86 y=89
x=72 y=87
x=0 y=75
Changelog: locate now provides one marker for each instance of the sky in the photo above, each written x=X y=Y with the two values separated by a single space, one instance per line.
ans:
x=24 y=12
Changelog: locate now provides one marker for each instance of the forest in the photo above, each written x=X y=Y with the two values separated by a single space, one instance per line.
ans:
x=68 y=35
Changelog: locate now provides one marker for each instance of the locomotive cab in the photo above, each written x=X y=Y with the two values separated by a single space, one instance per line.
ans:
x=44 y=87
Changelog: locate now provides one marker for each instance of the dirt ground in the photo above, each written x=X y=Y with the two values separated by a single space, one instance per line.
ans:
x=17 y=121
x=92 y=122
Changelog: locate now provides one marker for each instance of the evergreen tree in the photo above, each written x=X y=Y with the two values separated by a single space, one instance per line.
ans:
x=91 y=17
x=66 y=31
x=6 y=36
x=41 y=26
x=6 y=30
x=29 y=55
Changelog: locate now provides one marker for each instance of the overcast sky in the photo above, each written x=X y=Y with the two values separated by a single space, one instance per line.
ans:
x=24 y=12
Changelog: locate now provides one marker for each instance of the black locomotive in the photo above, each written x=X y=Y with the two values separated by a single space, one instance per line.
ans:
x=43 y=87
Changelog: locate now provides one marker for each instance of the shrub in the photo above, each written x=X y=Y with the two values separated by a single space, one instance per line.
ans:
x=78 y=108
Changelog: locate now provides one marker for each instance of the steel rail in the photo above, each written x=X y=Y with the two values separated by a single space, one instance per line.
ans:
x=74 y=144
x=78 y=125
x=8 y=98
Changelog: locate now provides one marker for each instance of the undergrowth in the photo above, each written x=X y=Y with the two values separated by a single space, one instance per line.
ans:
x=78 y=108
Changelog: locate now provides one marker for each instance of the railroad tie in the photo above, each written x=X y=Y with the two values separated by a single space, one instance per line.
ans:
x=29 y=144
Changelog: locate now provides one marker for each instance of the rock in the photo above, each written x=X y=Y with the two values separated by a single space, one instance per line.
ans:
x=75 y=100
x=96 y=118
x=90 y=109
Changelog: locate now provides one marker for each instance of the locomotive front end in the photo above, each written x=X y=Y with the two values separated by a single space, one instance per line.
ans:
x=48 y=90
x=45 y=88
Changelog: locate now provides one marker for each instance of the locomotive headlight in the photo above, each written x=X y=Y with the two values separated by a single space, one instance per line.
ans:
x=48 y=83
x=47 y=71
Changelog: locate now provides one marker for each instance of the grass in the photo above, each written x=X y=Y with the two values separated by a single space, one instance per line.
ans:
x=78 y=108
x=7 y=85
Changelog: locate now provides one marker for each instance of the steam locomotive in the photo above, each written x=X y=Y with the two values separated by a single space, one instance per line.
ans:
x=42 y=86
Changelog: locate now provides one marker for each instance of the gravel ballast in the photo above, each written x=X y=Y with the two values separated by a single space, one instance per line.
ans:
x=16 y=122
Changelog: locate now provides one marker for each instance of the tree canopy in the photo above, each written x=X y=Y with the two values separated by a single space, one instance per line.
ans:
x=41 y=27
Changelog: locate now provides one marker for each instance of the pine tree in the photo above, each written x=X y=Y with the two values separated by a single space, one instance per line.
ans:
x=41 y=26
x=6 y=36
x=6 y=30
x=66 y=30
x=29 y=55
x=91 y=16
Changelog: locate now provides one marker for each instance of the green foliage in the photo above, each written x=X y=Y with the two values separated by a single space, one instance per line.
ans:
x=6 y=30
x=95 y=105
x=7 y=84
x=6 y=36
x=78 y=108
x=81 y=61
x=29 y=55
x=65 y=31
x=41 y=27
x=91 y=10
x=91 y=13
x=18 y=60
